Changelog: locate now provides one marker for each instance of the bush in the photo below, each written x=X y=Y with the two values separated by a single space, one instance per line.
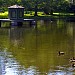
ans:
x=4 y=15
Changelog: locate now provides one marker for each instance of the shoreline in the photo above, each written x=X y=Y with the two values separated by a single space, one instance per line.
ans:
x=44 y=17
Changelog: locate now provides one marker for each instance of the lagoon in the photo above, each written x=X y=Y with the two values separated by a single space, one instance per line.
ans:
x=35 y=50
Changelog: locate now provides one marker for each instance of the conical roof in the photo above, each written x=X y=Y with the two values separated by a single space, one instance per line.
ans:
x=15 y=6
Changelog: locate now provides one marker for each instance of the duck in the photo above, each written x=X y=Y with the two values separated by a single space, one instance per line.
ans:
x=72 y=60
x=73 y=65
x=60 y=53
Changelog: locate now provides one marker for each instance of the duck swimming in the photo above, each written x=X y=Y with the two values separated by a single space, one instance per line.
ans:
x=60 y=53
x=72 y=59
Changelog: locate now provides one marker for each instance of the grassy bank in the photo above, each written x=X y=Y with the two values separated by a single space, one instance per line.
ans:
x=3 y=15
x=41 y=15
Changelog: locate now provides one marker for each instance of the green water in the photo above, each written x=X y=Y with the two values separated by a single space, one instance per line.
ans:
x=35 y=50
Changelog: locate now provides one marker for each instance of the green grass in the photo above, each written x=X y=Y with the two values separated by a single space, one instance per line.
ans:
x=63 y=14
x=41 y=15
x=4 y=15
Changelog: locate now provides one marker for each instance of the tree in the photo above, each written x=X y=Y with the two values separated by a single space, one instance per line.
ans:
x=48 y=6
x=32 y=4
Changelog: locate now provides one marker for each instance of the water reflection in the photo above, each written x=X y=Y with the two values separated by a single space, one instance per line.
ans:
x=10 y=66
x=31 y=51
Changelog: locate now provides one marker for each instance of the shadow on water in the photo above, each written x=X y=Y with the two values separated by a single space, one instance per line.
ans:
x=70 y=19
x=31 y=51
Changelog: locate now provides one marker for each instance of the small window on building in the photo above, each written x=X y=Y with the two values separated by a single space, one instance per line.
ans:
x=13 y=14
x=20 y=14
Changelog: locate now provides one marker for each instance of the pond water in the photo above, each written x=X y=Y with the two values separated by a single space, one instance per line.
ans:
x=35 y=50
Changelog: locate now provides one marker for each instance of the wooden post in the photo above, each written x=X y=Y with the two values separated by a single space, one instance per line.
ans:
x=0 y=23
x=19 y=24
x=32 y=23
x=14 y=23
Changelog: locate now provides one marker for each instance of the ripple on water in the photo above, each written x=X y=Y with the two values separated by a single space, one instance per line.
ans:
x=10 y=66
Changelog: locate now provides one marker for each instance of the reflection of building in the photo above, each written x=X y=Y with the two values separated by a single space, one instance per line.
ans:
x=15 y=35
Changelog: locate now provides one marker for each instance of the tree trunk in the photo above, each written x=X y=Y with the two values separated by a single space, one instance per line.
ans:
x=36 y=9
x=51 y=12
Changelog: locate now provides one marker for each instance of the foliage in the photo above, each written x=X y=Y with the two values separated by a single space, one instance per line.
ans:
x=47 y=6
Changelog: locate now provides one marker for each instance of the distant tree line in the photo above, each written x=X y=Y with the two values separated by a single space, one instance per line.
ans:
x=47 y=6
